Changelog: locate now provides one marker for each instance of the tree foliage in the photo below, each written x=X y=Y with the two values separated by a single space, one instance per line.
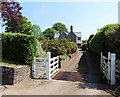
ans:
x=11 y=16
x=26 y=26
x=49 y=33
x=60 y=27
x=36 y=31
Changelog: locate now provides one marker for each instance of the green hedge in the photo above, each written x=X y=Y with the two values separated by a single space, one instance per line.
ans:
x=107 y=39
x=18 y=47
x=96 y=44
x=59 y=47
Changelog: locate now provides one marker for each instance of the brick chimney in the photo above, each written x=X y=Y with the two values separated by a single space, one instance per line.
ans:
x=71 y=28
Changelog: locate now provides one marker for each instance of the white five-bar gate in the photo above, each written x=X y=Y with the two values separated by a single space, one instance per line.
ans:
x=108 y=67
x=45 y=67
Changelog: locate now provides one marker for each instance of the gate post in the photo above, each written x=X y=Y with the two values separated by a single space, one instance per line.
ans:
x=48 y=66
x=109 y=66
x=33 y=66
x=113 y=79
x=101 y=60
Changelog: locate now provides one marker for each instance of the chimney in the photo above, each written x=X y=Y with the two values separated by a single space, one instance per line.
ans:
x=71 y=28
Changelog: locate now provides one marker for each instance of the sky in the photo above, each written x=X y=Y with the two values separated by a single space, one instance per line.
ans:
x=86 y=17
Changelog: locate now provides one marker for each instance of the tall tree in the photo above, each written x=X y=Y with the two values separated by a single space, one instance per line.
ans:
x=36 y=30
x=60 y=27
x=11 y=15
x=26 y=26
x=49 y=33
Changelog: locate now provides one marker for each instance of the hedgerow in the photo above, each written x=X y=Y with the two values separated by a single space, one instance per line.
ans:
x=107 y=39
x=18 y=47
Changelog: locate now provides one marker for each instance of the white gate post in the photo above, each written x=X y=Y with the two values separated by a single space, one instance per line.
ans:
x=48 y=66
x=101 y=60
x=58 y=62
x=109 y=65
x=113 y=79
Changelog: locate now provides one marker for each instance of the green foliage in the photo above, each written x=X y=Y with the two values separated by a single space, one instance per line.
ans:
x=96 y=43
x=59 y=47
x=106 y=39
x=39 y=51
x=89 y=39
x=62 y=57
x=113 y=39
x=26 y=26
x=60 y=27
x=37 y=31
x=18 y=47
x=84 y=41
x=84 y=47
x=49 y=33
x=71 y=47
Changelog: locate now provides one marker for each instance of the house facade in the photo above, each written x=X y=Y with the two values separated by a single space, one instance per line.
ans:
x=72 y=36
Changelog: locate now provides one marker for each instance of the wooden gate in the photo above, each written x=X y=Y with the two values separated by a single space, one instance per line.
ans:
x=39 y=68
x=45 y=67
x=108 y=67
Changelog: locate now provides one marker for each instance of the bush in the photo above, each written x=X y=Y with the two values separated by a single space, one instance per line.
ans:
x=59 y=47
x=70 y=47
x=107 y=39
x=97 y=42
x=89 y=39
x=18 y=47
x=84 y=47
x=39 y=51
x=113 y=39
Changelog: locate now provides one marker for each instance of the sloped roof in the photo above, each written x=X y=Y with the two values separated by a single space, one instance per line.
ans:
x=78 y=34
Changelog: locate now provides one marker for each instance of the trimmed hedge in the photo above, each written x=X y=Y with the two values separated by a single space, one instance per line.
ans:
x=18 y=47
x=96 y=44
x=107 y=39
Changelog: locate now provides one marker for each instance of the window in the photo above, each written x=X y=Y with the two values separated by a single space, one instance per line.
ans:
x=79 y=38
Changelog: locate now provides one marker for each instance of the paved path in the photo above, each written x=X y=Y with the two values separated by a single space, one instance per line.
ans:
x=68 y=82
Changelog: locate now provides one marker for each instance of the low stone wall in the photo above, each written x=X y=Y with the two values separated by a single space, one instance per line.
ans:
x=13 y=75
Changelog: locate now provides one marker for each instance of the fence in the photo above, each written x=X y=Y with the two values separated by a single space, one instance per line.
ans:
x=45 y=67
x=39 y=68
x=108 y=67
x=117 y=71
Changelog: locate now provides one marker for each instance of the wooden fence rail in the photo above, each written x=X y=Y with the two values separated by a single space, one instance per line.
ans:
x=108 y=67
x=45 y=67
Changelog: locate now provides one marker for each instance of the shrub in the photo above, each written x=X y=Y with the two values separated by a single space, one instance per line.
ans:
x=89 y=39
x=39 y=51
x=73 y=47
x=18 y=47
x=84 y=47
x=70 y=47
x=59 y=47
x=96 y=43
x=107 y=39
x=113 y=39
